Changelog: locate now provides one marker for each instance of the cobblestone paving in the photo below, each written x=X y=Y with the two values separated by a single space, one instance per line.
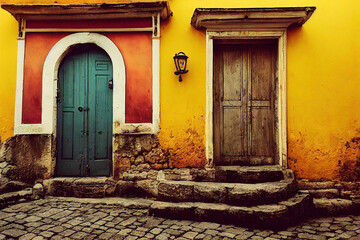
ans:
x=56 y=218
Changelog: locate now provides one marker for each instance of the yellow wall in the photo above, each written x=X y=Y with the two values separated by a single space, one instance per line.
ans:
x=8 y=51
x=323 y=85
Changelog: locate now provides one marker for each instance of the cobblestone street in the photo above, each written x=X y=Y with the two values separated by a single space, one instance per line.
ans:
x=71 y=218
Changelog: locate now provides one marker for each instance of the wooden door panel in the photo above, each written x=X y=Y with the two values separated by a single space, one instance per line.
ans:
x=232 y=62
x=100 y=114
x=262 y=140
x=71 y=142
x=261 y=105
x=232 y=143
x=101 y=122
x=230 y=100
x=262 y=72
x=68 y=136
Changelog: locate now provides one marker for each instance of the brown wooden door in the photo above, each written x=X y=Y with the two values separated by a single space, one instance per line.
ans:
x=244 y=103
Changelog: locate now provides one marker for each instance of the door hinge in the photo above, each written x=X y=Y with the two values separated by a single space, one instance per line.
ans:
x=58 y=96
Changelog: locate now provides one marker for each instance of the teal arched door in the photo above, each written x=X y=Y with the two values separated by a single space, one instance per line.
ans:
x=84 y=113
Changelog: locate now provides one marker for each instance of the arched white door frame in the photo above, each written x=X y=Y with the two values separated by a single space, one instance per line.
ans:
x=50 y=75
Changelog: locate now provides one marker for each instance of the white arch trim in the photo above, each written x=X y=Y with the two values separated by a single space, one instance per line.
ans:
x=50 y=75
x=49 y=86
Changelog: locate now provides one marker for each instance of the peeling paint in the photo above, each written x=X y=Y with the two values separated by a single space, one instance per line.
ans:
x=349 y=162
x=314 y=160
x=186 y=147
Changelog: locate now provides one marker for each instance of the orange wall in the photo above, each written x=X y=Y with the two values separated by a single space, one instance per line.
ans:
x=37 y=46
x=136 y=49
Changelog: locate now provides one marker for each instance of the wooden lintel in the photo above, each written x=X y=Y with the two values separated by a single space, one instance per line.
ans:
x=90 y=11
x=250 y=18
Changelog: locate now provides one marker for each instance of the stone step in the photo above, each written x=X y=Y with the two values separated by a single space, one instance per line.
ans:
x=15 y=197
x=230 y=174
x=240 y=194
x=280 y=215
x=12 y=186
x=335 y=206
x=86 y=187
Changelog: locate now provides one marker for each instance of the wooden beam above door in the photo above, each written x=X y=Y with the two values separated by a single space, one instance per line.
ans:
x=126 y=9
x=250 y=18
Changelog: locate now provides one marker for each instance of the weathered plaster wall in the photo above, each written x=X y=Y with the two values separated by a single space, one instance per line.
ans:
x=8 y=51
x=27 y=158
x=136 y=49
x=324 y=93
x=323 y=85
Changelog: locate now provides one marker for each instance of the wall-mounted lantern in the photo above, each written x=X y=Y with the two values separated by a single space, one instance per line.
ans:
x=180 y=60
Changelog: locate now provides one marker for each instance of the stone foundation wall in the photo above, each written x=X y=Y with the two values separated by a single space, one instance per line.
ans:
x=331 y=189
x=138 y=153
x=27 y=158
x=333 y=197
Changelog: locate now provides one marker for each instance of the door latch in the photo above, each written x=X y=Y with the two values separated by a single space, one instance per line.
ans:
x=111 y=84
x=83 y=109
x=84 y=132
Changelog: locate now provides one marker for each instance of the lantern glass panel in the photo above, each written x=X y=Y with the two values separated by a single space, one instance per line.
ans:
x=182 y=64
x=176 y=60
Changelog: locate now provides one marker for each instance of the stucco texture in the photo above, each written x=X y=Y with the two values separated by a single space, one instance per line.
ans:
x=323 y=85
x=8 y=51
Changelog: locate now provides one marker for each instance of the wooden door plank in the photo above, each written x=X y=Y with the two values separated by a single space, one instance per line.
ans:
x=218 y=75
x=70 y=123
x=100 y=113
x=261 y=104
x=232 y=141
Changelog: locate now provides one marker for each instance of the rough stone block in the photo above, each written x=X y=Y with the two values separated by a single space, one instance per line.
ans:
x=202 y=175
x=210 y=192
x=38 y=190
x=148 y=187
x=135 y=176
x=139 y=160
x=125 y=188
x=141 y=167
x=351 y=186
x=60 y=187
x=157 y=166
x=172 y=210
x=214 y=213
x=177 y=191
x=89 y=187
x=325 y=206
x=316 y=185
x=324 y=193
x=155 y=156
x=12 y=186
x=3 y=165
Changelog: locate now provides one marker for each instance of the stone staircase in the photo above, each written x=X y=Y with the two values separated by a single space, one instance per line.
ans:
x=251 y=196
x=261 y=196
